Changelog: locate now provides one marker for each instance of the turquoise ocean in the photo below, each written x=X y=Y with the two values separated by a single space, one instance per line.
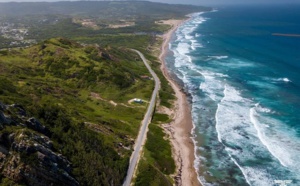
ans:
x=243 y=84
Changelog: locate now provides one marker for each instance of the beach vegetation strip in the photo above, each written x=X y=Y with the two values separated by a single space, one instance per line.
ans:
x=156 y=166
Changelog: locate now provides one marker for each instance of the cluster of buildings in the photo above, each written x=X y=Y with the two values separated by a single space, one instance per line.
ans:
x=8 y=30
x=15 y=34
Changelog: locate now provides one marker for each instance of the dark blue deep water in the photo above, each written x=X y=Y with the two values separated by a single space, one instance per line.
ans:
x=244 y=86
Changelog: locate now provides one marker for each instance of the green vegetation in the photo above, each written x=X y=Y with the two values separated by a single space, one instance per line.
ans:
x=80 y=89
x=80 y=93
x=158 y=117
x=156 y=165
x=166 y=93
x=89 y=21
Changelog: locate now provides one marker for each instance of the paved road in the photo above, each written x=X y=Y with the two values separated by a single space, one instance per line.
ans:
x=143 y=130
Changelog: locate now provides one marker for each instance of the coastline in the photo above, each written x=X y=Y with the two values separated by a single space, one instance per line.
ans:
x=181 y=127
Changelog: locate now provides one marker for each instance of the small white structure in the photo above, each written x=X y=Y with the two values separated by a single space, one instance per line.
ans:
x=136 y=100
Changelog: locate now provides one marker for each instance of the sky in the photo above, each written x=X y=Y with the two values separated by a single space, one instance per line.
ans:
x=199 y=2
x=215 y=2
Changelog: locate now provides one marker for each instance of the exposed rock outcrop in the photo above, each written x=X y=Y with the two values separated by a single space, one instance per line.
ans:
x=27 y=154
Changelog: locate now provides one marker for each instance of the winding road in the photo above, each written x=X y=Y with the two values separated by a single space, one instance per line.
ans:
x=144 y=128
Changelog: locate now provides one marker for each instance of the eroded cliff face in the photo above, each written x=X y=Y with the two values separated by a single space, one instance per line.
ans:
x=26 y=152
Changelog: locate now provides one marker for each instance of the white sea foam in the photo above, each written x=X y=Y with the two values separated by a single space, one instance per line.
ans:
x=243 y=170
x=239 y=123
x=193 y=47
x=231 y=113
x=210 y=90
x=212 y=85
x=278 y=80
x=256 y=176
x=262 y=109
x=195 y=44
x=182 y=59
x=280 y=140
x=186 y=42
x=240 y=128
x=197 y=35
x=263 y=85
x=187 y=30
x=183 y=48
x=199 y=20
x=185 y=33
x=230 y=121
x=262 y=137
x=237 y=63
x=218 y=57
x=284 y=79
x=210 y=74
x=188 y=37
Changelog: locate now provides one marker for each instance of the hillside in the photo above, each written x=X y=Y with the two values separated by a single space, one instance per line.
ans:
x=67 y=84
x=65 y=113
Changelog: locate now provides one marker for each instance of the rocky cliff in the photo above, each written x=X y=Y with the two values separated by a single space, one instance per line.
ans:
x=27 y=154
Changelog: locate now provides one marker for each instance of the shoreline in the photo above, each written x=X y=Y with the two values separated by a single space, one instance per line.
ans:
x=180 y=129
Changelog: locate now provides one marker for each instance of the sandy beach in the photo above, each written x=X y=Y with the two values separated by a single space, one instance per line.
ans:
x=180 y=129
